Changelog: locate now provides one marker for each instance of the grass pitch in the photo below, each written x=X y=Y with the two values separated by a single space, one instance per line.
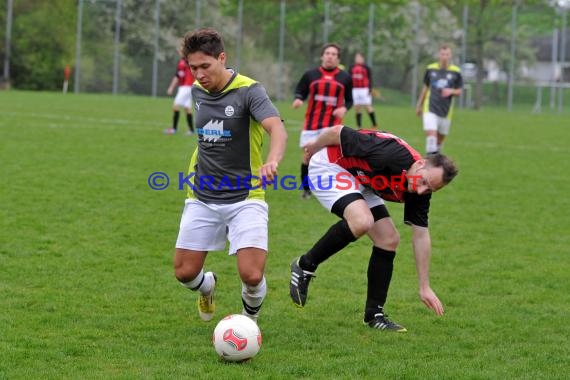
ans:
x=86 y=283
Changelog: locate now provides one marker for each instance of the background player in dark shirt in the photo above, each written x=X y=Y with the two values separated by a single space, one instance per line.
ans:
x=362 y=90
x=442 y=81
x=329 y=93
x=355 y=161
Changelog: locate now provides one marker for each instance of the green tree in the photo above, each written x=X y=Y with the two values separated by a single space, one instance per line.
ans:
x=489 y=33
x=42 y=43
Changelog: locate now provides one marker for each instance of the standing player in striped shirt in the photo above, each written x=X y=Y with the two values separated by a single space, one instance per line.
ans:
x=329 y=93
x=362 y=90
x=184 y=79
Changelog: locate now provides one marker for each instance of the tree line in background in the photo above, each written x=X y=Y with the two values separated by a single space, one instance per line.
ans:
x=44 y=37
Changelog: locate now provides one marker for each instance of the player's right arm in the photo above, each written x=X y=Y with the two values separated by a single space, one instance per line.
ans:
x=301 y=91
x=422 y=252
x=330 y=136
x=172 y=86
x=421 y=99
x=278 y=143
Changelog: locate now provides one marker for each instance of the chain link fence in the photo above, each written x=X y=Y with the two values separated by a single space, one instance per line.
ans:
x=130 y=46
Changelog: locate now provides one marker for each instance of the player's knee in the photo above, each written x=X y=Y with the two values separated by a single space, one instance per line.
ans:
x=185 y=272
x=361 y=224
x=252 y=277
x=390 y=240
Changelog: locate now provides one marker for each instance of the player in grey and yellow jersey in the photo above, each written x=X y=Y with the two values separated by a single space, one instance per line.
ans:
x=442 y=81
x=225 y=199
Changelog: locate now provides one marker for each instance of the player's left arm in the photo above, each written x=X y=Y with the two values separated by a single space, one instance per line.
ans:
x=422 y=252
x=369 y=73
x=278 y=142
x=456 y=88
x=339 y=112
x=172 y=86
x=446 y=92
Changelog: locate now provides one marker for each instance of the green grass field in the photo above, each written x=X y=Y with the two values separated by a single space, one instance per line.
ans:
x=87 y=288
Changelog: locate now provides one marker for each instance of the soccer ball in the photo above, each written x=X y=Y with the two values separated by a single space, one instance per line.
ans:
x=236 y=338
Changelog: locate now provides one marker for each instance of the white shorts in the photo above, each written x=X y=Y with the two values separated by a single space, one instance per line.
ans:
x=184 y=97
x=307 y=136
x=361 y=97
x=432 y=122
x=205 y=227
x=330 y=182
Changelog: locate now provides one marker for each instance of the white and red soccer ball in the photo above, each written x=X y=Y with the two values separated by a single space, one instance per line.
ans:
x=236 y=338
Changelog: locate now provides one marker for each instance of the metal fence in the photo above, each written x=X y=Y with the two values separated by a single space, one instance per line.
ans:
x=130 y=46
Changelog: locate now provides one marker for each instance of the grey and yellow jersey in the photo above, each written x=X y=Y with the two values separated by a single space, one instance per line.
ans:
x=225 y=165
x=436 y=78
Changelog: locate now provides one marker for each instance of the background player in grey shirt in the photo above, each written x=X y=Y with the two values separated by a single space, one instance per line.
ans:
x=442 y=81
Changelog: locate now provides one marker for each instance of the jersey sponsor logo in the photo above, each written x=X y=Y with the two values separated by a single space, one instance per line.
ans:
x=213 y=131
x=330 y=100
x=229 y=111
x=441 y=83
x=198 y=105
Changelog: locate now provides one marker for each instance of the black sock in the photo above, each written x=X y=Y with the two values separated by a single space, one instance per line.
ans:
x=250 y=309
x=359 y=120
x=380 y=269
x=175 y=118
x=189 y=120
x=304 y=175
x=335 y=239
x=373 y=118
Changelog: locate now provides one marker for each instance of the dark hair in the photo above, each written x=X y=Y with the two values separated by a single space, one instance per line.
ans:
x=442 y=161
x=332 y=44
x=207 y=41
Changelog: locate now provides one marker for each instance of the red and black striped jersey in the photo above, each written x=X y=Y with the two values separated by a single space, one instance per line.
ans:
x=373 y=153
x=183 y=73
x=361 y=76
x=325 y=90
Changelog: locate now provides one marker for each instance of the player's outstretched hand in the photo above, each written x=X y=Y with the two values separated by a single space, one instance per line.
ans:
x=429 y=298
x=269 y=170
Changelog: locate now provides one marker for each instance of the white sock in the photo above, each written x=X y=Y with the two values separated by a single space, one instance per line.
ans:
x=204 y=283
x=431 y=144
x=253 y=296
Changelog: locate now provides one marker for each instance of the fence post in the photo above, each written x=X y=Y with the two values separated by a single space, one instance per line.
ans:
x=76 y=75
x=280 y=75
x=415 y=53
x=562 y=58
x=513 y=51
x=116 y=52
x=156 y=37
x=462 y=100
x=370 y=34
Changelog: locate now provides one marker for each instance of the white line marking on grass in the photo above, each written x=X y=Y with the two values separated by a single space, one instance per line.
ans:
x=81 y=119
